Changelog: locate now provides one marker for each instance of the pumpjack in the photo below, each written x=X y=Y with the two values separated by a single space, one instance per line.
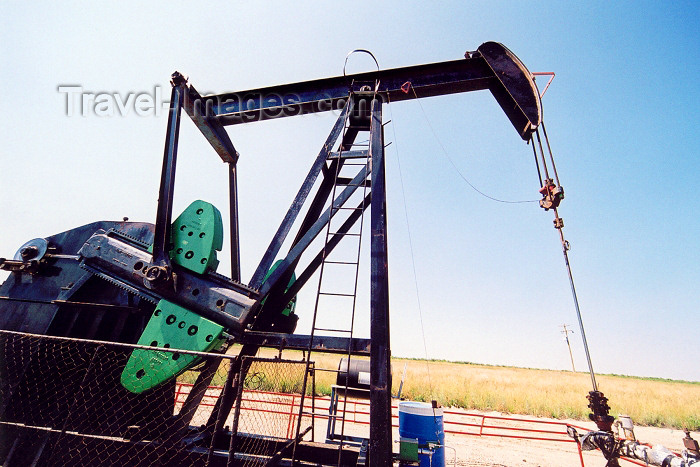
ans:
x=152 y=290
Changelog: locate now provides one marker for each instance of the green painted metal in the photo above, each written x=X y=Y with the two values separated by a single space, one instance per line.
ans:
x=291 y=306
x=171 y=326
x=196 y=235
x=408 y=451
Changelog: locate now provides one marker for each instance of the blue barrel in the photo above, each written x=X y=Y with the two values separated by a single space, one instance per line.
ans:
x=419 y=420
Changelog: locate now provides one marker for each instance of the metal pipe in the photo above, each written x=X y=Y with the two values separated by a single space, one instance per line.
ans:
x=565 y=248
x=551 y=156
x=544 y=161
x=233 y=209
x=161 y=236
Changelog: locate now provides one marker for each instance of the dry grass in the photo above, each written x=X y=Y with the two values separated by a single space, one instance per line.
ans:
x=541 y=393
x=556 y=394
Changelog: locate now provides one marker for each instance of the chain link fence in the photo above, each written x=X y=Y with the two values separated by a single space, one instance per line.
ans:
x=63 y=403
x=269 y=403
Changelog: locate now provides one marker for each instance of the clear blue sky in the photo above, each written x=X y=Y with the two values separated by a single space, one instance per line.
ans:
x=622 y=116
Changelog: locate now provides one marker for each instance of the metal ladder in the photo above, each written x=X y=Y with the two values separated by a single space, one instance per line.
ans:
x=349 y=157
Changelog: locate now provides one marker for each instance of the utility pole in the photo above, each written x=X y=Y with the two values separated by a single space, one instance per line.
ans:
x=566 y=338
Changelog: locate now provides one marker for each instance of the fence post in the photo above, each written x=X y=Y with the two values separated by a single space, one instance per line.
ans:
x=222 y=414
x=238 y=383
x=580 y=454
x=291 y=416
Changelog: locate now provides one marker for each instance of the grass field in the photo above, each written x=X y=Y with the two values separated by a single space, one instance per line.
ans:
x=542 y=393
x=556 y=394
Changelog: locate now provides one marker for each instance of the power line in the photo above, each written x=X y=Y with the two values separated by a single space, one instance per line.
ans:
x=566 y=338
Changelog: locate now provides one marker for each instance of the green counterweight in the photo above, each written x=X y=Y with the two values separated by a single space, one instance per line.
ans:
x=197 y=234
x=175 y=327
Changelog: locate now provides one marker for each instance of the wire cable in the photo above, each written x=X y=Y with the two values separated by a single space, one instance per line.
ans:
x=410 y=247
x=459 y=172
x=415 y=276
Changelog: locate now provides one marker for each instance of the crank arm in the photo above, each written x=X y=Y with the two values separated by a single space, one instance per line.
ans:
x=214 y=297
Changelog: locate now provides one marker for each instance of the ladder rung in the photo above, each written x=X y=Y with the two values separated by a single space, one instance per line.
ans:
x=346 y=181
x=347 y=234
x=338 y=208
x=337 y=294
x=348 y=155
x=349 y=331
x=341 y=262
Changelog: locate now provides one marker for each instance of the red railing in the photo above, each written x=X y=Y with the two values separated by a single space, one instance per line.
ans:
x=456 y=423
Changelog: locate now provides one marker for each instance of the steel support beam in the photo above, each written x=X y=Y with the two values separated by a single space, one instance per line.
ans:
x=491 y=67
x=380 y=449
x=275 y=303
x=323 y=344
x=331 y=93
x=315 y=263
x=297 y=204
x=210 y=127
x=296 y=251
x=161 y=237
